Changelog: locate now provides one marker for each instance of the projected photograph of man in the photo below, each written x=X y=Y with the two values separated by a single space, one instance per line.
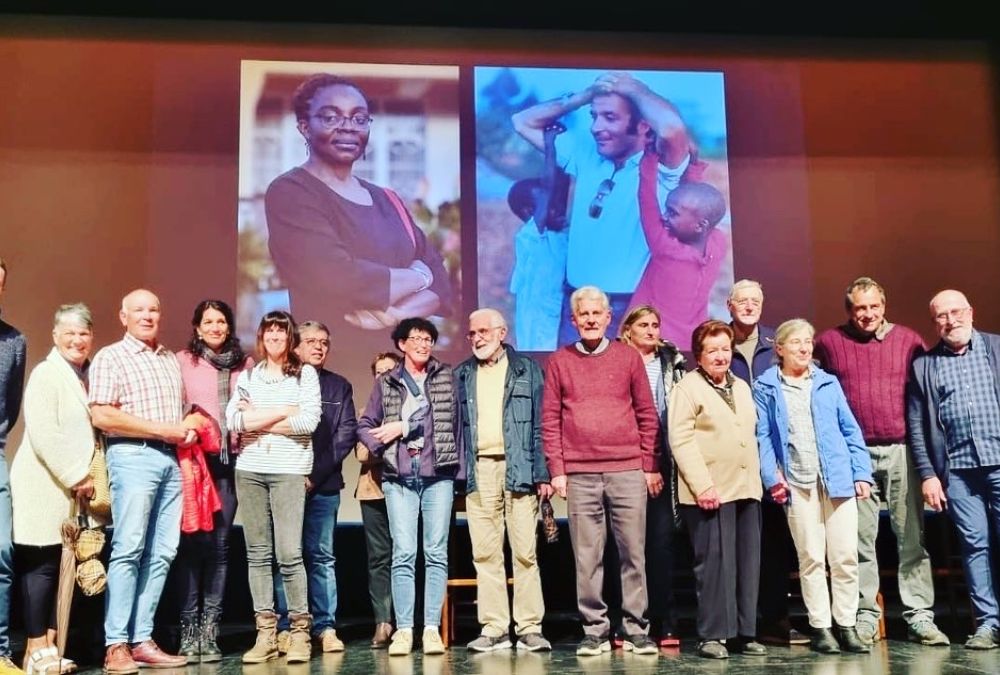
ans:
x=349 y=189
x=608 y=178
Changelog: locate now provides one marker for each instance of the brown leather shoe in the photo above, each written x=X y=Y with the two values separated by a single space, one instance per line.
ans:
x=118 y=660
x=383 y=633
x=148 y=655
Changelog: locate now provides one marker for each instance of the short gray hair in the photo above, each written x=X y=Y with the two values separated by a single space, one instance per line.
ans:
x=743 y=285
x=312 y=325
x=588 y=293
x=789 y=328
x=75 y=313
x=496 y=318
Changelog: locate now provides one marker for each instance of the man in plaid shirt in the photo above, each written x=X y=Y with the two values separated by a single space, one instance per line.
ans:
x=136 y=398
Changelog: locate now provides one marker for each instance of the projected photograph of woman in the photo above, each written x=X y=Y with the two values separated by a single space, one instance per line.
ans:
x=361 y=207
x=559 y=158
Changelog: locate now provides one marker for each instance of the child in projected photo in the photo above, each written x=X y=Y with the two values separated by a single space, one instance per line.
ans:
x=686 y=251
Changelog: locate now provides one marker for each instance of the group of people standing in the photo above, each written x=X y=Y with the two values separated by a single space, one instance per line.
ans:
x=755 y=432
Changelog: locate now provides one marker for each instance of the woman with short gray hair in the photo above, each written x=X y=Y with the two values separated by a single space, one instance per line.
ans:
x=50 y=471
x=813 y=459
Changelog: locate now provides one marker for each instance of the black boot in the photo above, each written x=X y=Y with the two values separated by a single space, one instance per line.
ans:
x=210 y=651
x=849 y=640
x=824 y=642
x=190 y=646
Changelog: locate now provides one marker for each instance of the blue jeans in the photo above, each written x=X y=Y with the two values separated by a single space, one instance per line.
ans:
x=406 y=500
x=317 y=546
x=974 y=505
x=146 y=509
x=6 y=556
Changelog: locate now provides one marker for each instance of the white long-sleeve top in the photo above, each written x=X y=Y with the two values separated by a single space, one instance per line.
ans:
x=267 y=452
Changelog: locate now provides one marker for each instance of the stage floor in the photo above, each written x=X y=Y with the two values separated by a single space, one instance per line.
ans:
x=887 y=657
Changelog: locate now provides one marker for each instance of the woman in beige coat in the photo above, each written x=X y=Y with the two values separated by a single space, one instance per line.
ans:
x=711 y=420
x=50 y=470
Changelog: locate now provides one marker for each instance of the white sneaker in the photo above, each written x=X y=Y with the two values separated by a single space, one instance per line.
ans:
x=402 y=642
x=432 y=642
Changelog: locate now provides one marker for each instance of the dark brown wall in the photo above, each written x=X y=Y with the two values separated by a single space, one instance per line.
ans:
x=118 y=158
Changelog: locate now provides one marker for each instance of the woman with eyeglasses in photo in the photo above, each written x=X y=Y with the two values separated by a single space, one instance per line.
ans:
x=410 y=423
x=275 y=410
x=349 y=252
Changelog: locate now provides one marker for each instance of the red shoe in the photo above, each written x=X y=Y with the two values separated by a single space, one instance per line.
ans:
x=669 y=640
x=118 y=660
x=148 y=655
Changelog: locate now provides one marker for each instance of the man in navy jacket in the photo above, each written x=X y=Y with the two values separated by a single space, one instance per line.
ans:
x=953 y=425
x=333 y=440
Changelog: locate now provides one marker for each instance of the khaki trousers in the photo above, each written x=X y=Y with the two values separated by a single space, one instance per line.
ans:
x=826 y=529
x=490 y=511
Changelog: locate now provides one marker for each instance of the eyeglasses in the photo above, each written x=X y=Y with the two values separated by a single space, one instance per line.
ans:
x=744 y=302
x=482 y=332
x=951 y=314
x=603 y=190
x=316 y=342
x=331 y=121
x=420 y=340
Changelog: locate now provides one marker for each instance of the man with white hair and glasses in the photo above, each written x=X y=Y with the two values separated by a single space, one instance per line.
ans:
x=499 y=395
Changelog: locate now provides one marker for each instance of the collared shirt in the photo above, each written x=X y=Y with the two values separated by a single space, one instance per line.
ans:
x=725 y=390
x=802 y=461
x=969 y=409
x=139 y=380
x=600 y=347
x=609 y=251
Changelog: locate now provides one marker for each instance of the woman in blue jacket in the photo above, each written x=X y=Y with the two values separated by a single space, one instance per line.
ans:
x=813 y=459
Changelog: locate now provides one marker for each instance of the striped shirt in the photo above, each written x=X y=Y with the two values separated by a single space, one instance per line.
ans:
x=969 y=410
x=137 y=379
x=654 y=373
x=271 y=453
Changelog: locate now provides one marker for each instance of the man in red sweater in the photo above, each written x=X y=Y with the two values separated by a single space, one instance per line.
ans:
x=871 y=357
x=599 y=432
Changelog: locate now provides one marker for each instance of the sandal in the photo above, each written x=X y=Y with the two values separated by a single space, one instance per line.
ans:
x=43 y=660
x=67 y=666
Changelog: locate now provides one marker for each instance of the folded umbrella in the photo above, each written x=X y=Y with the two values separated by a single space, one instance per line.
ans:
x=70 y=531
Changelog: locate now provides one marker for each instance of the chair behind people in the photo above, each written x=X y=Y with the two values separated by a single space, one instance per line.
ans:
x=455 y=584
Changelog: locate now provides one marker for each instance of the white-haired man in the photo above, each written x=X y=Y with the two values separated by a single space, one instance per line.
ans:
x=499 y=394
x=599 y=430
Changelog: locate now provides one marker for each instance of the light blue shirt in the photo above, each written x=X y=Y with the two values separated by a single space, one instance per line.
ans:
x=609 y=251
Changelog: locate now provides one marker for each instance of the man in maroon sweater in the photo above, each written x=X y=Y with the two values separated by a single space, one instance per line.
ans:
x=599 y=432
x=871 y=357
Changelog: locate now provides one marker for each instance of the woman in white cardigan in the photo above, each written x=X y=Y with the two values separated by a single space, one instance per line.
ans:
x=51 y=469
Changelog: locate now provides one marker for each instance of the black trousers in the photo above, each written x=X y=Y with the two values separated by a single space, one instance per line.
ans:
x=660 y=559
x=379 y=544
x=726 y=546
x=38 y=567
x=202 y=562
x=777 y=555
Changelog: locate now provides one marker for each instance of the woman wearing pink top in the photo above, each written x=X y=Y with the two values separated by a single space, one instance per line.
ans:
x=209 y=367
